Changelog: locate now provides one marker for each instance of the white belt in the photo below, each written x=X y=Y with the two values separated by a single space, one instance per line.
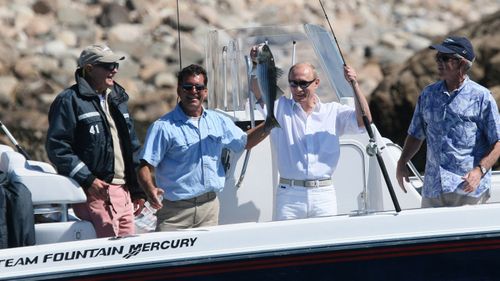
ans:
x=307 y=183
x=118 y=181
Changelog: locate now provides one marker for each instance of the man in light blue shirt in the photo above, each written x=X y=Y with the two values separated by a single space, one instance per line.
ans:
x=460 y=121
x=185 y=147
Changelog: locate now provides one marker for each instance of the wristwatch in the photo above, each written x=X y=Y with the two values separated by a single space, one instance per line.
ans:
x=483 y=169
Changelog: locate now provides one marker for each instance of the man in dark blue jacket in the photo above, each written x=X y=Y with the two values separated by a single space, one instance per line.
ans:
x=91 y=138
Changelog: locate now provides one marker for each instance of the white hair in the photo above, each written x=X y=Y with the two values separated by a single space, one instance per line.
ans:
x=468 y=63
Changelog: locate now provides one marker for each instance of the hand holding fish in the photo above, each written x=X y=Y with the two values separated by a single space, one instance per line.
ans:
x=254 y=52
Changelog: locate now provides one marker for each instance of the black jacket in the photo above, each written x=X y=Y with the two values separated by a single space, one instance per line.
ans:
x=79 y=141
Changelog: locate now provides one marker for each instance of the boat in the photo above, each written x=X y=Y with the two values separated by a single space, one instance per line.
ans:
x=374 y=237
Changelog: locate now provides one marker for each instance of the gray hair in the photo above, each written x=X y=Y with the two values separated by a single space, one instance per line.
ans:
x=468 y=63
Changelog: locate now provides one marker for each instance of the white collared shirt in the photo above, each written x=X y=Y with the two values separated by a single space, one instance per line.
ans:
x=308 y=145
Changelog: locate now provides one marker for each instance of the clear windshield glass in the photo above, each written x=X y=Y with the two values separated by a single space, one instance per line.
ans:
x=228 y=51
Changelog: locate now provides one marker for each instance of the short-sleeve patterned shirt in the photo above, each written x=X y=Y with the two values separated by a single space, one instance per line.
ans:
x=460 y=128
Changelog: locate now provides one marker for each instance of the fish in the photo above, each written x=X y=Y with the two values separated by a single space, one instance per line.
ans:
x=267 y=76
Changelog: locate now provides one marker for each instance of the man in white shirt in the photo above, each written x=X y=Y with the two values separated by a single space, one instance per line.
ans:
x=307 y=143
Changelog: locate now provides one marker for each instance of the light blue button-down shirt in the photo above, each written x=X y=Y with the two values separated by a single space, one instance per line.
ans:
x=187 y=157
x=460 y=128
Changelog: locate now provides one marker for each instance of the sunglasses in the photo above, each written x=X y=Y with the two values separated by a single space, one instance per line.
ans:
x=109 y=66
x=189 y=87
x=445 y=58
x=302 y=84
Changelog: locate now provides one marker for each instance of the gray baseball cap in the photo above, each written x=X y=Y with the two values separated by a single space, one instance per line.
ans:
x=98 y=53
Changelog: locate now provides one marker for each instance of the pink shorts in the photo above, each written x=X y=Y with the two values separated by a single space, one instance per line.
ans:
x=109 y=220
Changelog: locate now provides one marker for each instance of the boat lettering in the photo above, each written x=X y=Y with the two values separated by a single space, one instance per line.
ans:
x=90 y=253
x=155 y=246
x=133 y=250
x=19 y=261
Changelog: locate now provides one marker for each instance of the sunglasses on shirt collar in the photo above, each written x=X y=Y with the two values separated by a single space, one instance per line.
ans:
x=109 y=66
x=189 y=87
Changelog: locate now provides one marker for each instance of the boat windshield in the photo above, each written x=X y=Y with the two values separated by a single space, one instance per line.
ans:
x=228 y=52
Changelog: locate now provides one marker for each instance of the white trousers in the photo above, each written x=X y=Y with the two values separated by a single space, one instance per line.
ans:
x=297 y=202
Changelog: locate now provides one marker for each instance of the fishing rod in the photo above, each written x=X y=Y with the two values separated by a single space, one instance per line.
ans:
x=251 y=102
x=294 y=48
x=224 y=74
x=179 y=36
x=372 y=148
x=234 y=66
x=14 y=142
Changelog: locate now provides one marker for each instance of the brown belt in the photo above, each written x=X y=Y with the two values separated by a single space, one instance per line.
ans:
x=202 y=198
x=307 y=183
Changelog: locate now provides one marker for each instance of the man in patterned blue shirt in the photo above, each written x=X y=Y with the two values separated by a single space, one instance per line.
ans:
x=185 y=146
x=460 y=121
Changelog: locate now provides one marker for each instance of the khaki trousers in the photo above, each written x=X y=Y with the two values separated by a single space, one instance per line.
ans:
x=453 y=199
x=190 y=213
